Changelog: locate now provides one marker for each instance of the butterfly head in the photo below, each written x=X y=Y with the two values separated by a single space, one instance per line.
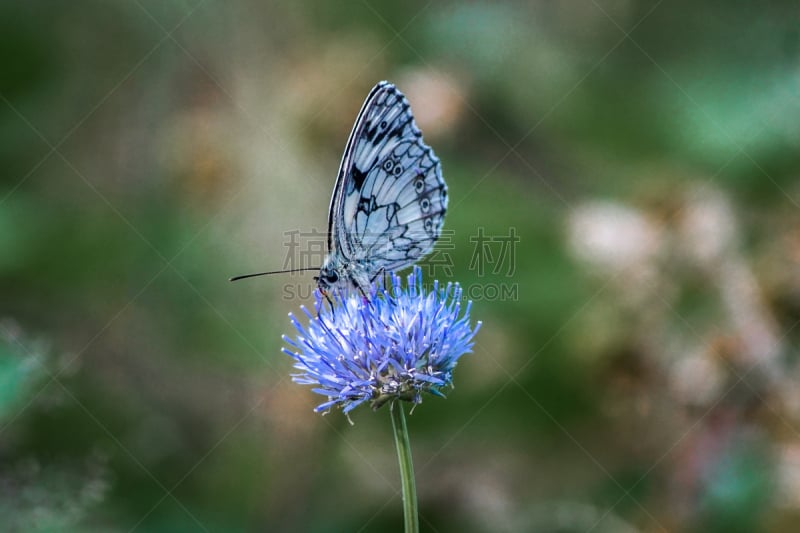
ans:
x=328 y=277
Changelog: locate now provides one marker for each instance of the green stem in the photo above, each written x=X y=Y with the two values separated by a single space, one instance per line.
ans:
x=406 y=467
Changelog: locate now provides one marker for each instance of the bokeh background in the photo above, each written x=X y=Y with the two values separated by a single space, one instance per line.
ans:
x=639 y=373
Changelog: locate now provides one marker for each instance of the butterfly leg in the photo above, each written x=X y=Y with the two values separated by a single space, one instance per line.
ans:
x=364 y=298
x=382 y=271
x=330 y=303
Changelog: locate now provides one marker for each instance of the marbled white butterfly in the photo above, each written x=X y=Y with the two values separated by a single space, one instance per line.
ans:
x=389 y=201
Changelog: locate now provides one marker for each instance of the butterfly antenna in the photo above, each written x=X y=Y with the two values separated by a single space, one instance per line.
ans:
x=237 y=278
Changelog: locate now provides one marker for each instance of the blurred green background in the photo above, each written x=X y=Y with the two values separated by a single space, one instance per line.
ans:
x=639 y=374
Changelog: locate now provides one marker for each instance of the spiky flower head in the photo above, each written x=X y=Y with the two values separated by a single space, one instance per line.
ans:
x=401 y=341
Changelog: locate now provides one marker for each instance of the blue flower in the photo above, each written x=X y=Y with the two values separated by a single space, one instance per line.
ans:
x=398 y=343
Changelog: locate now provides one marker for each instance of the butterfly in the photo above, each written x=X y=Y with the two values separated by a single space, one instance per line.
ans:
x=388 y=205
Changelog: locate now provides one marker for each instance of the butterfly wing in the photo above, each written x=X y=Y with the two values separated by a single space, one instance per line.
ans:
x=389 y=201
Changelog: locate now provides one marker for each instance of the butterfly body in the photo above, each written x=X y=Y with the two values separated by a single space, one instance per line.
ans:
x=389 y=201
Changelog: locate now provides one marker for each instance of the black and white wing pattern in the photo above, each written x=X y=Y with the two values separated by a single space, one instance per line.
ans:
x=389 y=201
